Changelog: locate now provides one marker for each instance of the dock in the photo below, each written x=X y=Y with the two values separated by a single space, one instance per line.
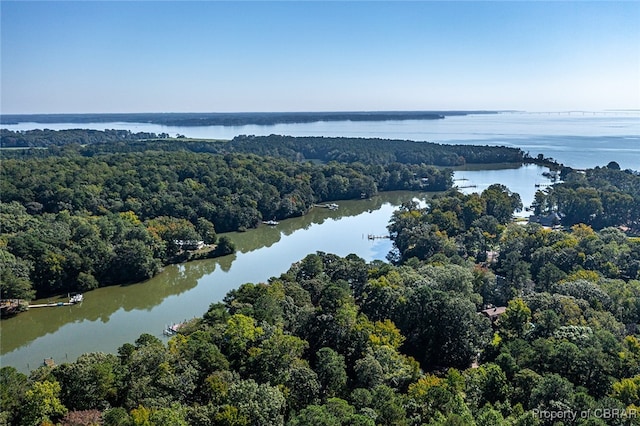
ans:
x=73 y=300
x=172 y=329
x=51 y=305
x=376 y=237
x=332 y=206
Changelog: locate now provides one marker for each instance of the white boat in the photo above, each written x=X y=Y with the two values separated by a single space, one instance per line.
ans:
x=270 y=222
x=76 y=298
x=172 y=329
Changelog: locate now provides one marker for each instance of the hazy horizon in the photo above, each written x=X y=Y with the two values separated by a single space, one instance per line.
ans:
x=239 y=57
x=467 y=111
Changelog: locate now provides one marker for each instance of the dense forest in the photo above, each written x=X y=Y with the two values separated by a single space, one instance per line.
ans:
x=349 y=150
x=93 y=208
x=475 y=320
x=600 y=197
x=374 y=150
x=232 y=119
x=338 y=341
x=51 y=138
x=73 y=223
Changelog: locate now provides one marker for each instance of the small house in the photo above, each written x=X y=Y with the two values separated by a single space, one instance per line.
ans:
x=549 y=220
x=494 y=313
x=189 y=244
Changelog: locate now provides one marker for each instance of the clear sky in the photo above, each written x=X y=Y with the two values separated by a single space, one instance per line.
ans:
x=214 y=56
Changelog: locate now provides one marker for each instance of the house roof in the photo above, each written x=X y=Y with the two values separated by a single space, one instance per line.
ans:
x=495 y=312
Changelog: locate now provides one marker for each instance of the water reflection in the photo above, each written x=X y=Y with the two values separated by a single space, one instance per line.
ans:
x=521 y=180
x=99 y=305
x=267 y=236
x=111 y=316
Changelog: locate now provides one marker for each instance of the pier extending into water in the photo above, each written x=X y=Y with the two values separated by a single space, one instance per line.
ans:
x=73 y=300
x=51 y=304
x=376 y=237
x=330 y=206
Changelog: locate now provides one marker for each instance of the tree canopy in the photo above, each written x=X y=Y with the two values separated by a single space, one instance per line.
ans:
x=600 y=197
x=338 y=341
x=74 y=223
x=476 y=320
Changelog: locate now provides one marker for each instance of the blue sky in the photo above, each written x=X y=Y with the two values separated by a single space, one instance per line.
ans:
x=143 y=56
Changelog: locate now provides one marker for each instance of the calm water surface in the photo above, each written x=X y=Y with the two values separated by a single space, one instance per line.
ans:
x=522 y=180
x=111 y=316
x=579 y=140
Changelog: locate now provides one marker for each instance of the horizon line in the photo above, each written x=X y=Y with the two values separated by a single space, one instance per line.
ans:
x=395 y=111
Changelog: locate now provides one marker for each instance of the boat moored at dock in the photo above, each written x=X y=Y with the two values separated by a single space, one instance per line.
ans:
x=73 y=300
x=172 y=329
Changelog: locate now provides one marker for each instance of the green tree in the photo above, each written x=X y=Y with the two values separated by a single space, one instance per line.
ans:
x=198 y=347
x=42 y=403
x=314 y=415
x=271 y=360
x=489 y=416
x=388 y=406
x=89 y=382
x=369 y=373
x=169 y=416
x=442 y=328
x=516 y=320
x=173 y=232
x=240 y=333
x=206 y=229
x=14 y=277
x=553 y=392
x=133 y=262
x=501 y=203
x=225 y=246
x=302 y=386
x=116 y=416
x=141 y=416
x=13 y=386
x=261 y=404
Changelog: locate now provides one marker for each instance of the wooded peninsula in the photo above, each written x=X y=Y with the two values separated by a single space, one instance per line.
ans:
x=233 y=119
x=100 y=208
x=475 y=320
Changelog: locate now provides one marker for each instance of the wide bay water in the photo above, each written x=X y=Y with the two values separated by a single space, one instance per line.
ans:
x=577 y=139
x=112 y=316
